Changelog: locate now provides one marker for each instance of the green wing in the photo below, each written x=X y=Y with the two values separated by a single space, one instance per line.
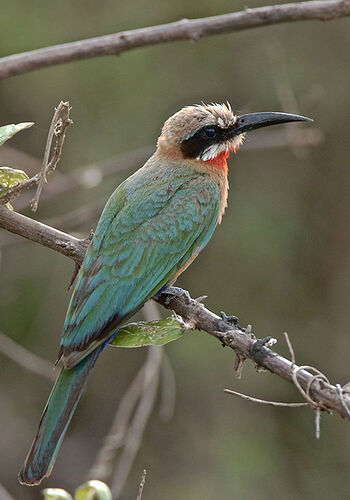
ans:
x=146 y=233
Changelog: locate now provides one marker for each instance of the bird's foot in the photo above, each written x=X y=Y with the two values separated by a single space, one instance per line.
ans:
x=227 y=319
x=175 y=291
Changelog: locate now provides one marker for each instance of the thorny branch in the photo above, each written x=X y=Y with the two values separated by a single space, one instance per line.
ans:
x=319 y=390
x=58 y=127
x=185 y=29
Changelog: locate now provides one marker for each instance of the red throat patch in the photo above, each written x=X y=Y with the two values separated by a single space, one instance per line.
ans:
x=220 y=161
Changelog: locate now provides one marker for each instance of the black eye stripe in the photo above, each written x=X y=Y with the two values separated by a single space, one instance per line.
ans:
x=203 y=139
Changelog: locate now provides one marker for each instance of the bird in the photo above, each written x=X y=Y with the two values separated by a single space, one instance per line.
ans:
x=151 y=229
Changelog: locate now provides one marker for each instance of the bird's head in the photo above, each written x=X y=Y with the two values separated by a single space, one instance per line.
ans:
x=209 y=133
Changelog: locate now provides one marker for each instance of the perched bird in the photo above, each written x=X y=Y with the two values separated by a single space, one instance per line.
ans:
x=151 y=229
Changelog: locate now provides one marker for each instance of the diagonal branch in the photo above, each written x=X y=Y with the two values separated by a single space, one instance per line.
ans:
x=186 y=29
x=45 y=235
x=26 y=358
x=315 y=388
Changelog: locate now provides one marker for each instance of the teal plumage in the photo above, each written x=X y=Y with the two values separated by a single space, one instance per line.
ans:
x=151 y=229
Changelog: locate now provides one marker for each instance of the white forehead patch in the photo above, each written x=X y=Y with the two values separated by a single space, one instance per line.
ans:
x=222 y=114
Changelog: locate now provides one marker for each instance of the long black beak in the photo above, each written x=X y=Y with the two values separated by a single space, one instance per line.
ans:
x=252 y=121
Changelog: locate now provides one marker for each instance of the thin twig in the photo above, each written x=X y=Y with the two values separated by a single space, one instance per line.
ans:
x=290 y=347
x=4 y=494
x=318 y=423
x=58 y=127
x=168 y=390
x=103 y=464
x=185 y=29
x=126 y=432
x=264 y=402
x=26 y=358
x=137 y=427
x=142 y=484
x=314 y=376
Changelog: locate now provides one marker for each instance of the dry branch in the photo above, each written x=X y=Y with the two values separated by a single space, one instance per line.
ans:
x=263 y=401
x=26 y=358
x=4 y=494
x=45 y=235
x=186 y=29
x=141 y=485
x=324 y=395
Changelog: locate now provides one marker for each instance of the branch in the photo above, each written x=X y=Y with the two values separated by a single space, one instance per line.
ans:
x=59 y=124
x=4 y=494
x=26 y=358
x=141 y=485
x=45 y=235
x=185 y=29
x=134 y=434
x=246 y=346
x=314 y=387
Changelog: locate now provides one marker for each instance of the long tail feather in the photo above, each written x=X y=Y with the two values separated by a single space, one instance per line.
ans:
x=57 y=414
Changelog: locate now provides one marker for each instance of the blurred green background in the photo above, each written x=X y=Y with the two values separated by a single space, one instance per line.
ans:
x=280 y=259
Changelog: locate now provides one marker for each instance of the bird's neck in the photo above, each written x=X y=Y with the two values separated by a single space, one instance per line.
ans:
x=216 y=168
x=220 y=161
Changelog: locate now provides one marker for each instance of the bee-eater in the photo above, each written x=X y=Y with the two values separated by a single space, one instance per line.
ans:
x=151 y=229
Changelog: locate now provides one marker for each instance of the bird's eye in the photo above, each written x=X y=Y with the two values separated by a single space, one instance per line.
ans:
x=210 y=132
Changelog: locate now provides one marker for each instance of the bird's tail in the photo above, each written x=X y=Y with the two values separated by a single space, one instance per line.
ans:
x=57 y=414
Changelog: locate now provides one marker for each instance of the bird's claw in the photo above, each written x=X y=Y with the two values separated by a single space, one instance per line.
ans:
x=227 y=319
x=230 y=319
x=175 y=291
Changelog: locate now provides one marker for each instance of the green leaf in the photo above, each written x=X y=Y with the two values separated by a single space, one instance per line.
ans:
x=9 y=177
x=56 y=494
x=93 y=490
x=9 y=131
x=152 y=333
